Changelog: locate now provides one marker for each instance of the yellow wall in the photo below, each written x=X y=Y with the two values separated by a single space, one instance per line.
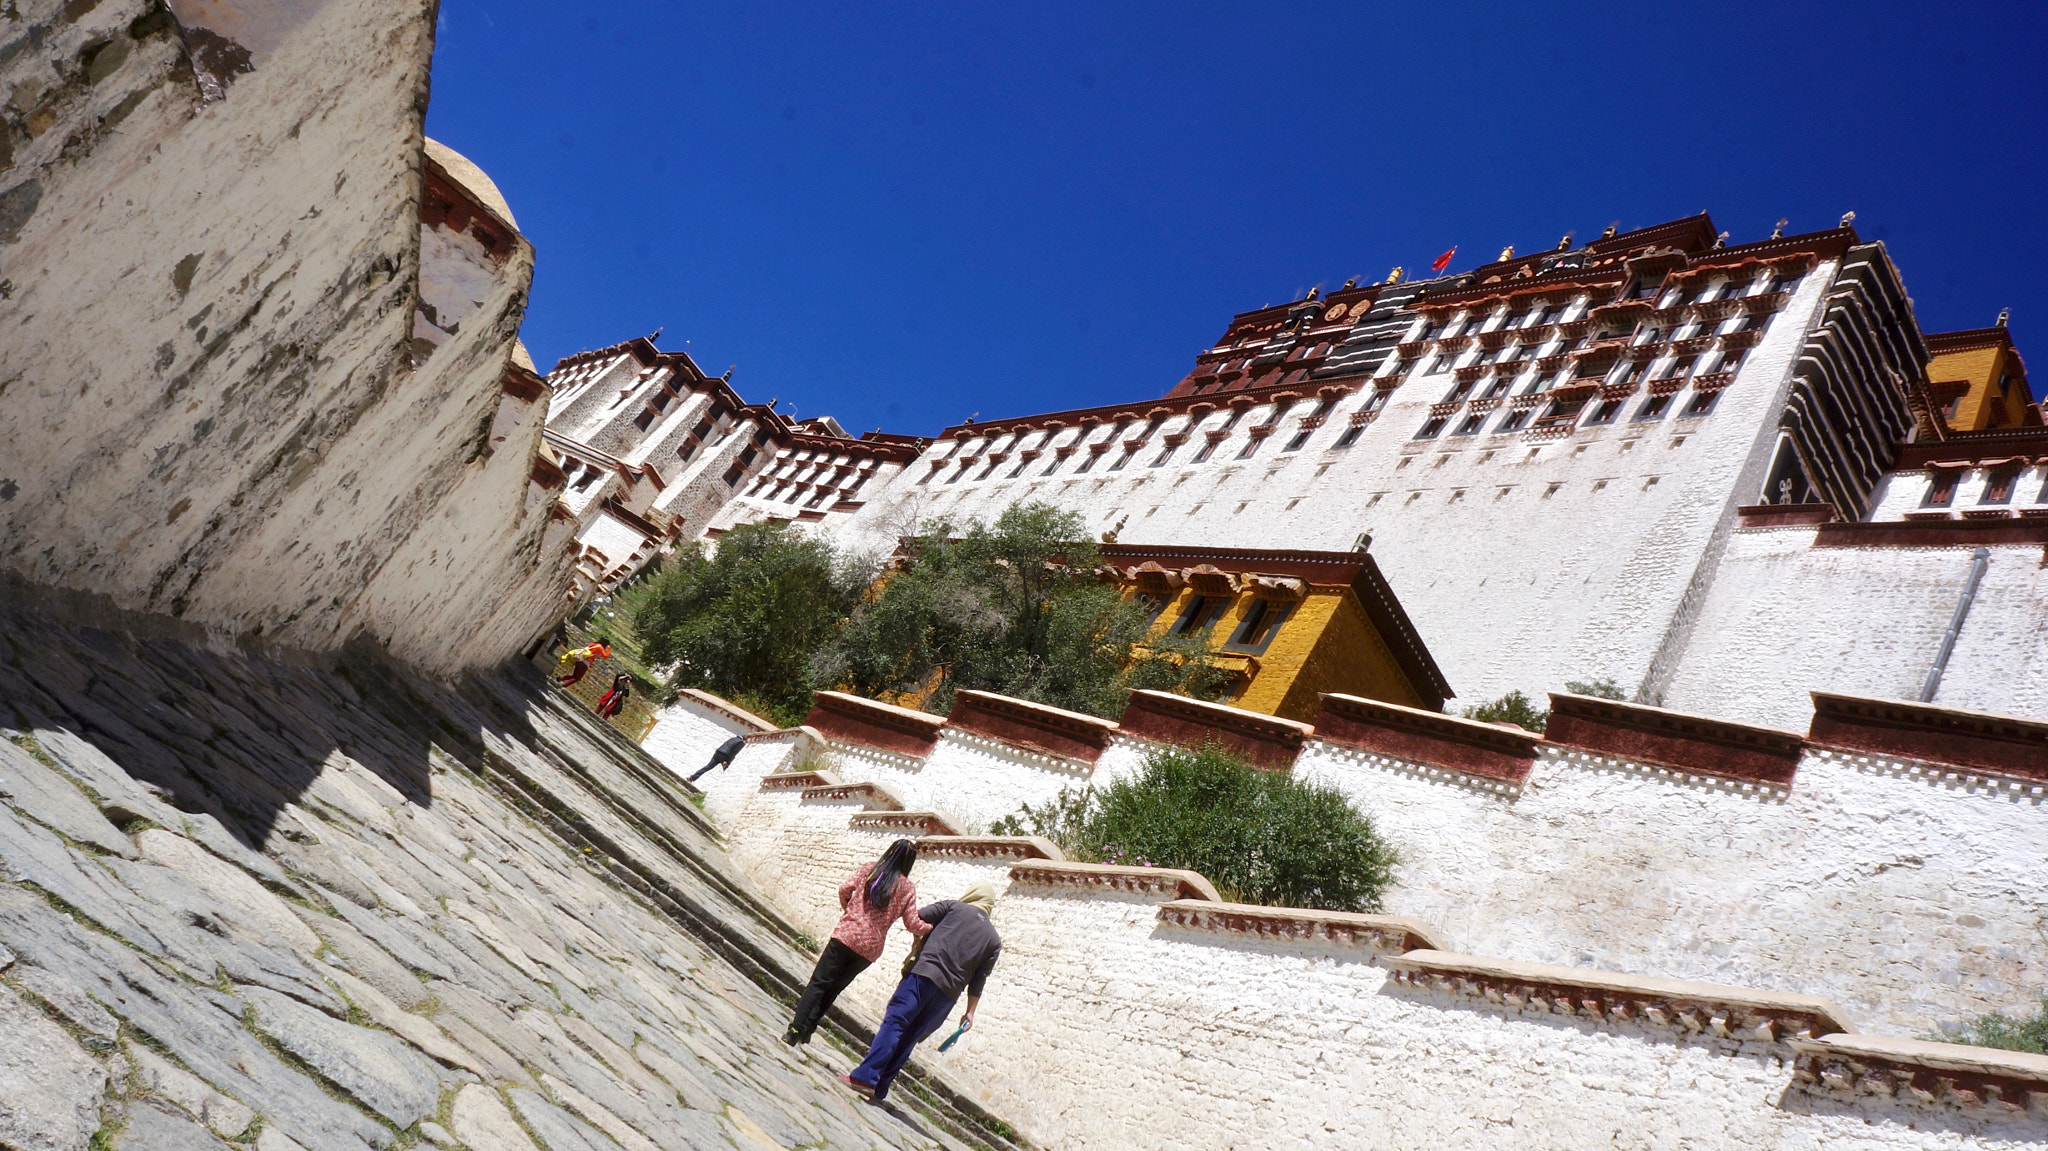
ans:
x=1982 y=407
x=1327 y=644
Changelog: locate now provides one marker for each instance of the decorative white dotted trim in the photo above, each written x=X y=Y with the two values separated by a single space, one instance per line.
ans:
x=1059 y=764
x=1428 y=772
x=875 y=755
x=1604 y=765
x=1944 y=775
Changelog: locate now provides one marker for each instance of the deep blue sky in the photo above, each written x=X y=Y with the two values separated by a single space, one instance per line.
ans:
x=901 y=214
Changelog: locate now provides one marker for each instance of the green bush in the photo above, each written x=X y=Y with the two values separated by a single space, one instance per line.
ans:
x=2010 y=1032
x=1515 y=708
x=1013 y=607
x=747 y=621
x=1260 y=836
x=1603 y=688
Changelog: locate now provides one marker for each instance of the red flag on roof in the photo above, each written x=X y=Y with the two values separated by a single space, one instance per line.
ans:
x=1444 y=261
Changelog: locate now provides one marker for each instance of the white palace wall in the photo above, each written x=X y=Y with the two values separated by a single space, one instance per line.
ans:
x=1585 y=543
x=1785 y=618
x=1131 y=1009
x=1912 y=899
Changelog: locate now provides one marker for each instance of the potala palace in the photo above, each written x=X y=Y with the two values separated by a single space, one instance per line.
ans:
x=299 y=853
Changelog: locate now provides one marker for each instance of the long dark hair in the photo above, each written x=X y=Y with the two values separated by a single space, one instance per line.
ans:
x=894 y=862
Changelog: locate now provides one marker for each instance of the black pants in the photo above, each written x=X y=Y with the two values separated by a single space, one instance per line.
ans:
x=836 y=969
x=721 y=761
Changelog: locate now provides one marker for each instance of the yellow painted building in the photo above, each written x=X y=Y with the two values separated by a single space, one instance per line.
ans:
x=1978 y=380
x=1290 y=625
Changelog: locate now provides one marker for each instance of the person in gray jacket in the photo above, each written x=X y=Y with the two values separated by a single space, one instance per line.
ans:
x=957 y=956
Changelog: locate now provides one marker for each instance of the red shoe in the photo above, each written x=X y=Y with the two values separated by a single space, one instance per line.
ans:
x=866 y=1089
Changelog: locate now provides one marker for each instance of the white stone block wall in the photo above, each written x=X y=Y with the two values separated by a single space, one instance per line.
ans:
x=1103 y=1028
x=1913 y=899
x=1785 y=618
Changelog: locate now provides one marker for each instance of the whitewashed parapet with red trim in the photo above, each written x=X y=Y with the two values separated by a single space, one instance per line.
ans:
x=912 y=822
x=1614 y=997
x=2012 y=1084
x=1383 y=933
x=1169 y=882
x=990 y=847
x=730 y=710
x=798 y=780
x=877 y=797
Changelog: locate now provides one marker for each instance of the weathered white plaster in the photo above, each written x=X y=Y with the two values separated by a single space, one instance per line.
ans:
x=1913 y=901
x=1785 y=618
x=216 y=406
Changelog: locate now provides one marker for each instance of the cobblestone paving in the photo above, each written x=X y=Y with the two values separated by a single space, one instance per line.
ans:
x=258 y=903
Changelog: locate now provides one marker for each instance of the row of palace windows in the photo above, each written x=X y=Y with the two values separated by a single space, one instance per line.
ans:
x=1143 y=441
x=1472 y=323
x=1635 y=373
x=1648 y=334
x=1566 y=413
x=1998 y=487
x=1255 y=630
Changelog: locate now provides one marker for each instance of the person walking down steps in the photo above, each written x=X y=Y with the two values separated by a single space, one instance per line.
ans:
x=726 y=753
x=615 y=700
x=870 y=899
x=957 y=956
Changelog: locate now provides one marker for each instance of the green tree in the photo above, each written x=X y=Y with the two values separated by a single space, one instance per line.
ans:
x=1260 y=836
x=1014 y=607
x=2011 y=1032
x=1603 y=688
x=748 y=620
x=1515 y=708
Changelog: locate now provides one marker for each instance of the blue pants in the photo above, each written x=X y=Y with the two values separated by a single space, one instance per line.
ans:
x=916 y=1010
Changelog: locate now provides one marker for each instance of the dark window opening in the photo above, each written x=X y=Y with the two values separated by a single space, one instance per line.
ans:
x=1941 y=490
x=1702 y=403
x=1199 y=614
x=1470 y=425
x=1653 y=408
x=1605 y=413
x=1998 y=489
x=1514 y=420
x=1350 y=436
x=1261 y=621
x=1429 y=430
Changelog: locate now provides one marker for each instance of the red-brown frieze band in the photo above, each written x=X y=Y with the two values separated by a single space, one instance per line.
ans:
x=871 y=723
x=1051 y=730
x=1267 y=740
x=1688 y=743
x=1431 y=738
x=1974 y=740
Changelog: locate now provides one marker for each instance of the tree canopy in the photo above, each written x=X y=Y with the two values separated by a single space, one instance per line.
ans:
x=748 y=620
x=1013 y=607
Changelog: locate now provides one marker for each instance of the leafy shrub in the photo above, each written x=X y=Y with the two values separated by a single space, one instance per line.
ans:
x=747 y=621
x=1515 y=708
x=1260 y=836
x=1013 y=607
x=2010 y=1032
x=1603 y=688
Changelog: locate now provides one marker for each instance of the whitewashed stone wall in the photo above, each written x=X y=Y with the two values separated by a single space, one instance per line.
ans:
x=1903 y=492
x=212 y=280
x=1785 y=618
x=1912 y=898
x=1103 y=1028
x=1909 y=897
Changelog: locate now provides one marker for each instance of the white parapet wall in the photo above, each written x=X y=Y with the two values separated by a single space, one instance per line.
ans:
x=1908 y=890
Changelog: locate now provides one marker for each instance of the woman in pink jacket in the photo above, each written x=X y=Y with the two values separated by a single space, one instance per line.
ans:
x=871 y=897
